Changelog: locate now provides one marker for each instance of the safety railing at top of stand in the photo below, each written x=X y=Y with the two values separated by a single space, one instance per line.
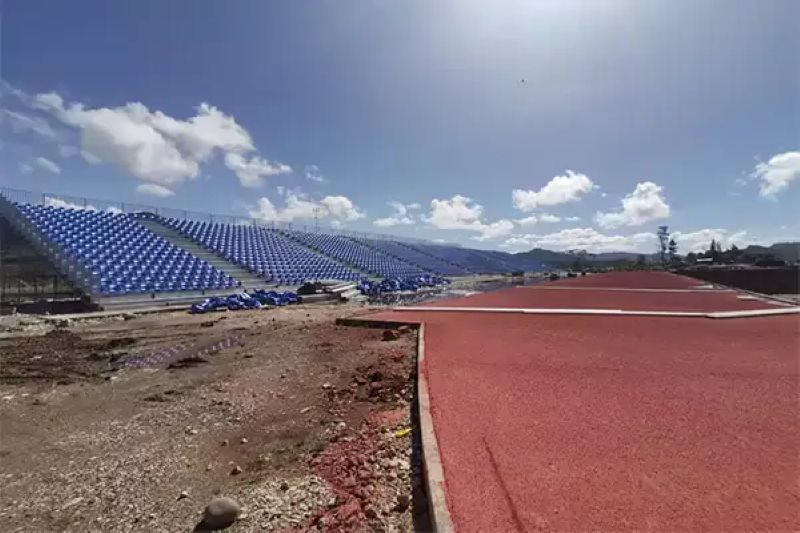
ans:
x=76 y=202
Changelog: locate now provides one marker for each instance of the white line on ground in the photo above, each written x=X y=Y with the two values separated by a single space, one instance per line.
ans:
x=607 y=312
x=617 y=289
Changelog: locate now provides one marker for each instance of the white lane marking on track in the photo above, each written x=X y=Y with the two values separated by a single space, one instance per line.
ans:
x=618 y=289
x=610 y=312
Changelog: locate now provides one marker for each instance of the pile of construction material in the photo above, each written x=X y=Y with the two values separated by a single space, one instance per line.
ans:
x=329 y=291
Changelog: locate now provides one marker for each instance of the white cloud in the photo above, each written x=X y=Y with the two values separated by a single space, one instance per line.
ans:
x=572 y=219
x=459 y=212
x=153 y=189
x=593 y=241
x=158 y=148
x=341 y=208
x=499 y=228
x=48 y=165
x=338 y=209
x=25 y=168
x=413 y=206
x=547 y=217
x=58 y=202
x=528 y=221
x=313 y=174
x=456 y=213
x=251 y=172
x=587 y=239
x=644 y=204
x=777 y=173
x=22 y=123
x=67 y=151
x=400 y=216
x=700 y=240
x=560 y=189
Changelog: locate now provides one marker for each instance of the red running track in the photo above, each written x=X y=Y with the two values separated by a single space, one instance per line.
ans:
x=615 y=423
x=520 y=297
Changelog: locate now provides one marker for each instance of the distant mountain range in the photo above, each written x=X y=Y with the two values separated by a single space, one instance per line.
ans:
x=788 y=251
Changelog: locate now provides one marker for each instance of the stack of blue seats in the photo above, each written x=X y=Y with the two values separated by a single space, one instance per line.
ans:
x=373 y=288
x=263 y=251
x=243 y=300
x=123 y=256
x=351 y=252
x=412 y=255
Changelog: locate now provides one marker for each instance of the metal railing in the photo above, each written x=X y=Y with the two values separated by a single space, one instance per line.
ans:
x=78 y=202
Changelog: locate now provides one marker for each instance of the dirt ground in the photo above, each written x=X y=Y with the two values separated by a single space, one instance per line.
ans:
x=135 y=424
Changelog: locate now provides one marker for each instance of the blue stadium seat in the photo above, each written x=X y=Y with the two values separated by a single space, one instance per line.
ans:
x=363 y=257
x=123 y=256
x=264 y=252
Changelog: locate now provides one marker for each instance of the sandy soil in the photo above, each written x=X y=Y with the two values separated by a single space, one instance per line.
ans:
x=134 y=425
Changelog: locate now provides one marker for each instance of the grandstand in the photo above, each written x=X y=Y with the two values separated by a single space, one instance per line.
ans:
x=410 y=254
x=116 y=254
x=264 y=252
x=359 y=256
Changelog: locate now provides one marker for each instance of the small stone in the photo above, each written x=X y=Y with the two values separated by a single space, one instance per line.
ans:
x=192 y=431
x=243 y=441
x=304 y=410
x=370 y=513
x=225 y=442
x=183 y=495
x=220 y=513
x=236 y=470
x=390 y=335
x=326 y=385
x=284 y=486
x=403 y=502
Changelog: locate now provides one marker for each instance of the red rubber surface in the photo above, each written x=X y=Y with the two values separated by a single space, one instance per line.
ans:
x=614 y=423
x=634 y=280
x=600 y=299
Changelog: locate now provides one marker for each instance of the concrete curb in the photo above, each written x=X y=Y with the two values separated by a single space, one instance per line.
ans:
x=431 y=459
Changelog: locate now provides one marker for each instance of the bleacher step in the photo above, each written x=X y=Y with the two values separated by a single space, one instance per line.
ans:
x=247 y=278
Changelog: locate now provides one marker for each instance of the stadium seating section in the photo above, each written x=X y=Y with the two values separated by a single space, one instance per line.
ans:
x=363 y=257
x=263 y=251
x=417 y=257
x=123 y=256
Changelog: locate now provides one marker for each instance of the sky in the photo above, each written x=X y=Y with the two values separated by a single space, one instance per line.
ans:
x=500 y=125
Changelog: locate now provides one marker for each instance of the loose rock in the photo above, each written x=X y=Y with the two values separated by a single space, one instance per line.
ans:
x=403 y=501
x=220 y=513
